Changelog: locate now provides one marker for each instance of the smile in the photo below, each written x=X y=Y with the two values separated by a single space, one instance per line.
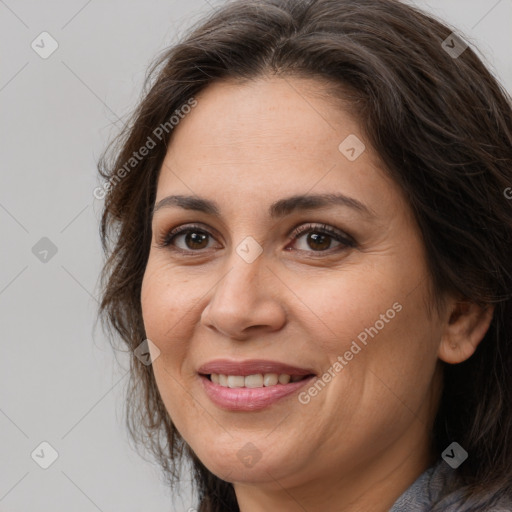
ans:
x=246 y=398
x=257 y=380
x=251 y=385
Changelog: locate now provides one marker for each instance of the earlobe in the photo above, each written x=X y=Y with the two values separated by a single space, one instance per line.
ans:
x=464 y=330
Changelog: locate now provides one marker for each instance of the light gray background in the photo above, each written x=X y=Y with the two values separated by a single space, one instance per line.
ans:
x=59 y=380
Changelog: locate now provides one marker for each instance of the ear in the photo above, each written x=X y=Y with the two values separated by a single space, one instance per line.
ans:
x=464 y=330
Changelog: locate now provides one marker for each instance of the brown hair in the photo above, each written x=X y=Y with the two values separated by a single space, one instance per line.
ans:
x=442 y=127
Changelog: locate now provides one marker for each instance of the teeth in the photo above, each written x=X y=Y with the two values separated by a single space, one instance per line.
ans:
x=257 y=380
x=254 y=381
x=270 y=379
x=284 y=379
x=236 y=381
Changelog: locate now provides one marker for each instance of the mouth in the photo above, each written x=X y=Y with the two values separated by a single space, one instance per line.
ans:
x=256 y=380
x=251 y=385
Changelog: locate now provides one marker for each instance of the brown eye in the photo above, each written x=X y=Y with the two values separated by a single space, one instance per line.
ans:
x=187 y=238
x=195 y=240
x=320 y=238
x=318 y=241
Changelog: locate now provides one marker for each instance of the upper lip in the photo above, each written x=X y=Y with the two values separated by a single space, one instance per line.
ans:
x=251 y=367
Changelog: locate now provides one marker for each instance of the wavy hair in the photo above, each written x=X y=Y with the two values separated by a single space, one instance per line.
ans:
x=442 y=127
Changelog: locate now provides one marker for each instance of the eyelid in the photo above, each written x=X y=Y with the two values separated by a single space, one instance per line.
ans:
x=343 y=238
x=164 y=239
x=337 y=234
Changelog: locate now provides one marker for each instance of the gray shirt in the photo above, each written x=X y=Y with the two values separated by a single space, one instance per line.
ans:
x=436 y=490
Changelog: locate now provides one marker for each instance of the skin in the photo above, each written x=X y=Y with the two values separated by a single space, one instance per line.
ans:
x=361 y=441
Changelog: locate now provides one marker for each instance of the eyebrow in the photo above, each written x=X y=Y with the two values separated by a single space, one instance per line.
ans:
x=278 y=209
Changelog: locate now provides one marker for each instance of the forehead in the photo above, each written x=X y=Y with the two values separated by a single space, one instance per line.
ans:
x=265 y=117
x=265 y=139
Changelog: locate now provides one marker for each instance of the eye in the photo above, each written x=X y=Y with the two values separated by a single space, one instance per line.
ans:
x=315 y=237
x=320 y=238
x=186 y=239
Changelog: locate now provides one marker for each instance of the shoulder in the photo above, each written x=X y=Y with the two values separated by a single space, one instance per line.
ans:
x=438 y=489
x=453 y=496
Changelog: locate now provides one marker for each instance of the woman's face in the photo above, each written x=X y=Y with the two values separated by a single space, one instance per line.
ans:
x=242 y=285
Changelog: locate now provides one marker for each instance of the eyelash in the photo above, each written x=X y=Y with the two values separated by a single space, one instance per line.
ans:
x=324 y=229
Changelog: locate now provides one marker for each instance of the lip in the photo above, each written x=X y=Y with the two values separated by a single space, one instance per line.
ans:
x=250 y=399
x=251 y=367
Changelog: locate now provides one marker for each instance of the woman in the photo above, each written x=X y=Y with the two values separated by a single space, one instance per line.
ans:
x=307 y=226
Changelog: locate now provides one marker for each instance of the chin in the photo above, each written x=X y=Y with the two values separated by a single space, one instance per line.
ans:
x=244 y=461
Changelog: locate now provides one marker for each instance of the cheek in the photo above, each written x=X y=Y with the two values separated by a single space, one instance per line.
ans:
x=336 y=308
x=165 y=301
x=165 y=294
x=375 y=318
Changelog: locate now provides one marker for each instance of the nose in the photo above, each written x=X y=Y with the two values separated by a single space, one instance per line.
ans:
x=245 y=301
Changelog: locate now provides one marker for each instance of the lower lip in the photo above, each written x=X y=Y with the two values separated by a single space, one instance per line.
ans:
x=249 y=399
